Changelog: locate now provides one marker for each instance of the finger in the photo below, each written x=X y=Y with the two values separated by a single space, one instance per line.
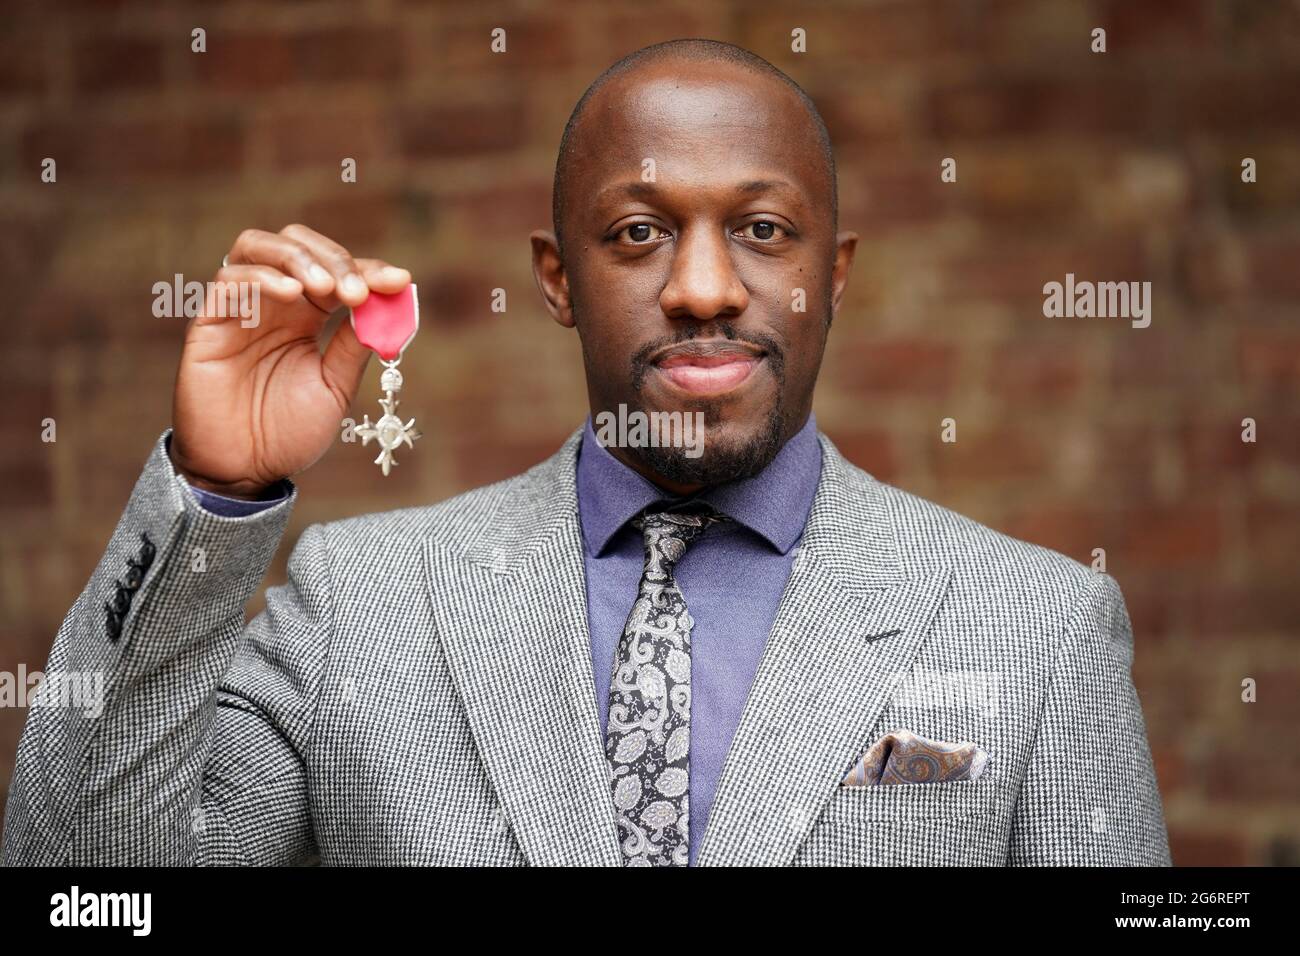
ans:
x=344 y=362
x=236 y=292
x=382 y=277
x=258 y=247
x=269 y=281
x=350 y=288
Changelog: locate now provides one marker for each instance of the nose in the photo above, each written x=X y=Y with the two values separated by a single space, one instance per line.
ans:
x=703 y=284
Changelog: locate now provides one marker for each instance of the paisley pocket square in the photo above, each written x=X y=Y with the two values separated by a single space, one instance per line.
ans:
x=903 y=757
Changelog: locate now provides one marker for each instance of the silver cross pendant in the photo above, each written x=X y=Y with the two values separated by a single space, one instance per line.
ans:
x=389 y=431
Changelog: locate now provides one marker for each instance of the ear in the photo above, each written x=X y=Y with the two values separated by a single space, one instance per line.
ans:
x=552 y=280
x=846 y=244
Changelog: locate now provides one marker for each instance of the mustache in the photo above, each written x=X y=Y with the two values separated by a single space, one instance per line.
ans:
x=641 y=364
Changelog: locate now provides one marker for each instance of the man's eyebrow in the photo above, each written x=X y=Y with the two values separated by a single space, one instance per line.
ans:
x=636 y=189
x=764 y=186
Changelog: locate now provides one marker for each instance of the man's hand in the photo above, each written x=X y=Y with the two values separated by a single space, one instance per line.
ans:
x=254 y=405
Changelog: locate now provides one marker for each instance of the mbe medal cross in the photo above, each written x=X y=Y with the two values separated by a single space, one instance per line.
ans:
x=386 y=324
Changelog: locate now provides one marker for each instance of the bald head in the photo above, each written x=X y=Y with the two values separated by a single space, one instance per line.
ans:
x=698 y=52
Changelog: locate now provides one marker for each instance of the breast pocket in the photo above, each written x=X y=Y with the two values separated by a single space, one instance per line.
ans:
x=961 y=823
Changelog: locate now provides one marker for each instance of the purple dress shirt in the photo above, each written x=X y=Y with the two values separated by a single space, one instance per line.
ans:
x=732 y=578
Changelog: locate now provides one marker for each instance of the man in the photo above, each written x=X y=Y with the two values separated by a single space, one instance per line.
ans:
x=630 y=654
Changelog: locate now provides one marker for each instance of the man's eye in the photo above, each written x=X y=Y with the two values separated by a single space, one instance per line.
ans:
x=764 y=230
x=640 y=232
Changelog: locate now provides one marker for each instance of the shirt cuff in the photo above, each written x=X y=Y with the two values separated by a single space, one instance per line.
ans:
x=225 y=507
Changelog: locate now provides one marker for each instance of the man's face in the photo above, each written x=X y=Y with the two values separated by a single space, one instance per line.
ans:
x=698 y=226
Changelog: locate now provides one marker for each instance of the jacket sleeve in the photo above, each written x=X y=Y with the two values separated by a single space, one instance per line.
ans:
x=1089 y=796
x=193 y=751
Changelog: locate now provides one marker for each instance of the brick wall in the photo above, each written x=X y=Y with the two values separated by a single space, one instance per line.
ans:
x=1077 y=434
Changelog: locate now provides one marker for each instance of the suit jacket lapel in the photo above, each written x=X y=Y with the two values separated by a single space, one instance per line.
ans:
x=825 y=674
x=509 y=598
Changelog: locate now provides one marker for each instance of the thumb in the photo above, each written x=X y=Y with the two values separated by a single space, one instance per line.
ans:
x=344 y=361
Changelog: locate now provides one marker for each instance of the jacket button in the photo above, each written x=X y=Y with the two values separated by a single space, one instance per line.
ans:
x=114 y=625
x=147 y=550
x=121 y=602
x=134 y=577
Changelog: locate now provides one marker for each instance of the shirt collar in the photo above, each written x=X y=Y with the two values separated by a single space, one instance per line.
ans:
x=774 y=503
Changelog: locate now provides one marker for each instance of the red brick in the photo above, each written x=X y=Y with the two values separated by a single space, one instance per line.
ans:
x=461 y=129
x=30 y=242
x=23 y=61
x=359 y=219
x=24 y=403
x=1169 y=770
x=897 y=193
x=628 y=27
x=1171 y=537
x=1268 y=360
x=996 y=453
x=138 y=152
x=1230 y=612
x=1273 y=531
x=1224 y=848
x=1183 y=26
x=1275 y=193
x=322 y=136
x=1256 y=768
x=28 y=485
x=1038 y=105
x=346 y=479
x=1014 y=270
x=857 y=122
x=508 y=210
x=1272 y=262
x=1047 y=370
x=899 y=366
x=246 y=61
x=871 y=450
x=1213 y=268
x=854 y=35
x=1072 y=530
x=1213 y=450
x=463 y=46
x=110 y=64
x=456 y=297
x=1151 y=610
x=1162 y=356
x=267 y=61
x=482 y=457
x=1282 y=446
x=1003 y=184
x=1261 y=32
x=1227 y=103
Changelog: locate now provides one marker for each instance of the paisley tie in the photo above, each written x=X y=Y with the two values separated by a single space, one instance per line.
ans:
x=648 y=736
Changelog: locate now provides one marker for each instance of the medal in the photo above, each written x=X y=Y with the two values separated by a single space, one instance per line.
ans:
x=386 y=324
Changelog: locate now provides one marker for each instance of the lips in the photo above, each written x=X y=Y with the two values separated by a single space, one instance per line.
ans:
x=708 y=368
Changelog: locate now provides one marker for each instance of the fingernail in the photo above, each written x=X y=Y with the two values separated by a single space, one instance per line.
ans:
x=352 y=285
x=317 y=274
x=394 y=274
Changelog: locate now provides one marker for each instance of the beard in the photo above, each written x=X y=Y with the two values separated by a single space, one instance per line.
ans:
x=720 y=461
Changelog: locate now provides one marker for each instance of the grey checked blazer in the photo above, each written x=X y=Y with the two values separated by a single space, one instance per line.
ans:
x=421 y=692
